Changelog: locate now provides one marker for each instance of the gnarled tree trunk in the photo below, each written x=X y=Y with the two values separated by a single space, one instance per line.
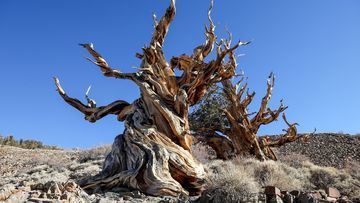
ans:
x=153 y=154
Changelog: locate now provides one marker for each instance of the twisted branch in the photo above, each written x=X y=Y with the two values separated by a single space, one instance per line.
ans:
x=105 y=68
x=92 y=114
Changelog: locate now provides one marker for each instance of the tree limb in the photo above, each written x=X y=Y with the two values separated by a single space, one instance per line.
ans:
x=162 y=27
x=92 y=114
x=105 y=68
x=202 y=51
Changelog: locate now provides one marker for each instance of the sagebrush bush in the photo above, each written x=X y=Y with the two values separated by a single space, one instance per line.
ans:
x=203 y=152
x=323 y=177
x=94 y=153
x=229 y=183
x=242 y=177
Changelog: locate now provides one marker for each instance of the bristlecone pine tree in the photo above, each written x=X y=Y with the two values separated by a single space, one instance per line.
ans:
x=237 y=133
x=153 y=154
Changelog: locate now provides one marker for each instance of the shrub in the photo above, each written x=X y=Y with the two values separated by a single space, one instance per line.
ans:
x=242 y=177
x=203 y=152
x=229 y=183
x=94 y=153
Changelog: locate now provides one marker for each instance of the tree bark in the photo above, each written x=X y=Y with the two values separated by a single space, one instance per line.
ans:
x=153 y=154
x=241 y=134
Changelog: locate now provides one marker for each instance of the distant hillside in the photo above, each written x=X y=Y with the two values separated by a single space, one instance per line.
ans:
x=25 y=144
x=326 y=149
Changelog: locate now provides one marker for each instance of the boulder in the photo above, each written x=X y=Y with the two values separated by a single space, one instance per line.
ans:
x=272 y=190
x=306 y=198
x=333 y=192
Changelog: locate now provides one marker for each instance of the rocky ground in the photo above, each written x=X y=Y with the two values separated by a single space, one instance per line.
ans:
x=326 y=149
x=51 y=175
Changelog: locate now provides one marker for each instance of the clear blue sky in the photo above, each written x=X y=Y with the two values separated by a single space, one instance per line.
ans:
x=313 y=46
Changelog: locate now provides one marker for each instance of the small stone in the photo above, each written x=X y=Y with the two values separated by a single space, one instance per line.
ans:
x=333 y=192
x=272 y=190
x=331 y=199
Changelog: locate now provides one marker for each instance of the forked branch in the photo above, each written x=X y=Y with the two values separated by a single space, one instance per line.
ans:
x=105 y=68
x=92 y=114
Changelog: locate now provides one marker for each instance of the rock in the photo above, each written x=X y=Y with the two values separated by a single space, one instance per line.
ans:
x=275 y=199
x=272 y=190
x=306 y=198
x=330 y=199
x=38 y=186
x=343 y=199
x=34 y=194
x=356 y=200
x=317 y=195
x=338 y=151
x=287 y=198
x=333 y=192
x=52 y=188
x=323 y=193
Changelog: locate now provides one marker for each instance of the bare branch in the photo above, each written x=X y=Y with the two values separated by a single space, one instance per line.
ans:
x=101 y=62
x=202 y=51
x=265 y=100
x=163 y=26
x=92 y=114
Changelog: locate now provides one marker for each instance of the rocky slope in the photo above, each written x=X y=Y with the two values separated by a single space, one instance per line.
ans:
x=326 y=149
